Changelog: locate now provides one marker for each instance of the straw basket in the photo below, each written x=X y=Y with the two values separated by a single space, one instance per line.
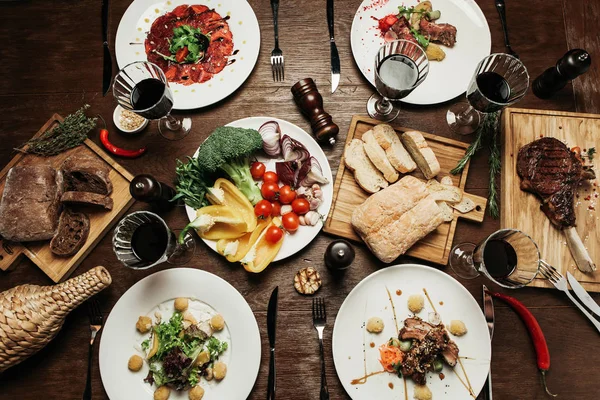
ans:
x=31 y=315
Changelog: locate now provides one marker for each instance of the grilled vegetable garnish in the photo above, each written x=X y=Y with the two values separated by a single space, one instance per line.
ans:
x=307 y=281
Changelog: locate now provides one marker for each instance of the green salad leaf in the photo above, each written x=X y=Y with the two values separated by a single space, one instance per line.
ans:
x=193 y=39
x=146 y=344
x=422 y=40
x=215 y=347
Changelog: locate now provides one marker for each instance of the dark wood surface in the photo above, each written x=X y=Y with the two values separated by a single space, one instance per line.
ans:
x=51 y=56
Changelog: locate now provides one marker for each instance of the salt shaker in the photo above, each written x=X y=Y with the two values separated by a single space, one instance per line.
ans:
x=310 y=101
x=148 y=189
x=574 y=63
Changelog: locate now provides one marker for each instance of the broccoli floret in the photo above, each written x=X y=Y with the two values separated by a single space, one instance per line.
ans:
x=229 y=149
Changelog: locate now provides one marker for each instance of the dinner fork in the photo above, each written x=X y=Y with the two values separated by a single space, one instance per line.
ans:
x=319 y=320
x=559 y=281
x=277 y=62
x=96 y=321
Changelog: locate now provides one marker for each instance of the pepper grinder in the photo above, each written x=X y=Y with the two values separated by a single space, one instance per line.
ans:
x=310 y=101
x=148 y=189
x=574 y=63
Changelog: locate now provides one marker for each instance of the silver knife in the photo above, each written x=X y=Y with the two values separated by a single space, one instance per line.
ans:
x=107 y=61
x=488 y=310
x=271 y=327
x=335 y=57
x=581 y=293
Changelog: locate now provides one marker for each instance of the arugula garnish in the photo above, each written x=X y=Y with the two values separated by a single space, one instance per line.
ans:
x=215 y=347
x=188 y=45
x=590 y=153
x=146 y=344
x=398 y=368
x=422 y=40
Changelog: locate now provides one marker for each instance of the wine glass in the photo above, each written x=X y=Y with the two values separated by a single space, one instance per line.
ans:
x=508 y=257
x=142 y=240
x=499 y=81
x=142 y=88
x=400 y=66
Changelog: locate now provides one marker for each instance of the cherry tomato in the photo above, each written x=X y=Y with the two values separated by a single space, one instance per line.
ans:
x=276 y=211
x=300 y=206
x=263 y=209
x=290 y=222
x=257 y=170
x=274 y=234
x=270 y=176
x=286 y=194
x=270 y=190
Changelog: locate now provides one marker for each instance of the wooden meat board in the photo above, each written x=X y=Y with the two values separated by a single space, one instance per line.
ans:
x=521 y=210
x=347 y=195
x=59 y=268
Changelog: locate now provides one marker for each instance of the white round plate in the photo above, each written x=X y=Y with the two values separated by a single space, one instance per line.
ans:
x=369 y=299
x=120 y=340
x=448 y=78
x=138 y=19
x=292 y=243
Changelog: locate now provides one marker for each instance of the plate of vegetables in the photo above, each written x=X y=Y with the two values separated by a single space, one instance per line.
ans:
x=257 y=190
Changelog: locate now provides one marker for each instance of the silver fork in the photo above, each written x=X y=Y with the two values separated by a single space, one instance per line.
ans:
x=319 y=320
x=277 y=62
x=560 y=283
x=96 y=322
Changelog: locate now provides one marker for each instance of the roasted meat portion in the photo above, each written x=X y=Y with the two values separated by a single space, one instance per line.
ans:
x=551 y=171
x=440 y=33
x=400 y=30
x=429 y=343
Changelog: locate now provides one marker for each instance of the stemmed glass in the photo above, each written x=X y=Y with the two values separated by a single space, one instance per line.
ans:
x=400 y=66
x=499 y=81
x=507 y=257
x=142 y=87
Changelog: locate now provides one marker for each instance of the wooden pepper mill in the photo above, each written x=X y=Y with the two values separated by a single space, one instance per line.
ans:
x=310 y=101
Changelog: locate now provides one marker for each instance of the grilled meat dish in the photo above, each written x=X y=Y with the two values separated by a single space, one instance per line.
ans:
x=429 y=342
x=551 y=171
x=441 y=33
x=400 y=30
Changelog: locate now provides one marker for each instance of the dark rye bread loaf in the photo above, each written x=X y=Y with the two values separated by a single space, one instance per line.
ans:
x=86 y=173
x=87 y=198
x=30 y=203
x=73 y=230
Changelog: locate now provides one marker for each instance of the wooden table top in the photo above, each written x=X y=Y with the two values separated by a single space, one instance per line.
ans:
x=52 y=62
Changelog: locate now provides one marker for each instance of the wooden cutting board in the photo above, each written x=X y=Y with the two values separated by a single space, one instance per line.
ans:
x=347 y=195
x=59 y=268
x=521 y=210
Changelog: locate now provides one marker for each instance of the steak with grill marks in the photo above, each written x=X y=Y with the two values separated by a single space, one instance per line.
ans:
x=551 y=171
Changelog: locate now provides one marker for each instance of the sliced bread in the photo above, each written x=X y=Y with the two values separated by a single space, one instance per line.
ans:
x=87 y=198
x=441 y=192
x=397 y=155
x=366 y=175
x=421 y=152
x=73 y=230
x=86 y=173
x=378 y=157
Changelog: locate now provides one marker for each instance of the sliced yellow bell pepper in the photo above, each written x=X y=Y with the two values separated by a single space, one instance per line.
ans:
x=233 y=197
x=262 y=252
x=244 y=243
x=219 y=222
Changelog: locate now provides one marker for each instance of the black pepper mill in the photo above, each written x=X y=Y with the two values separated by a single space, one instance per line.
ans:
x=310 y=101
x=574 y=63
x=148 y=189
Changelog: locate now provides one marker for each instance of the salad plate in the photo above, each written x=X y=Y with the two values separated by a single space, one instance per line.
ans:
x=207 y=294
x=294 y=242
x=448 y=78
x=373 y=297
x=243 y=46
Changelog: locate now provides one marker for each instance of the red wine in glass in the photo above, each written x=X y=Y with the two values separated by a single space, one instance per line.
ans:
x=151 y=99
x=500 y=258
x=149 y=241
x=490 y=93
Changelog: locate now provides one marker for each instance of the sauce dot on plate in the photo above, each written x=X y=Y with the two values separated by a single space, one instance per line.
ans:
x=399 y=292
x=391 y=385
x=372 y=344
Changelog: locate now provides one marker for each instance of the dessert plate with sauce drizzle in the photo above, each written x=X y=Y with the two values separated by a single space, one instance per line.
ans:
x=385 y=294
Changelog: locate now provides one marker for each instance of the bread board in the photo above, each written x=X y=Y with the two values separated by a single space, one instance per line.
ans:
x=347 y=195
x=521 y=210
x=56 y=267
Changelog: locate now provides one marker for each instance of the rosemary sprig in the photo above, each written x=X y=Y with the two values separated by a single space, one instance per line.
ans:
x=495 y=166
x=470 y=152
x=67 y=134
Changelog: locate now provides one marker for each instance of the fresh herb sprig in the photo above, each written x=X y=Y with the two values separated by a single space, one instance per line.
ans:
x=188 y=45
x=69 y=133
x=422 y=40
x=590 y=153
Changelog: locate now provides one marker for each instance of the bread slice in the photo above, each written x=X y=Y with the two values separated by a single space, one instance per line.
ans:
x=366 y=175
x=397 y=155
x=422 y=154
x=73 y=230
x=378 y=157
x=87 y=198
x=86 y=173
x=447 y=212
x=441 y=192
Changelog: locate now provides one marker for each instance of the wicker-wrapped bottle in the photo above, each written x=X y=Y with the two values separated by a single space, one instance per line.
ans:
x=31 y=315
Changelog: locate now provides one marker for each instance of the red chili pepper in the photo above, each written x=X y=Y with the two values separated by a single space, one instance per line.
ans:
x=182 y=54
x=117 y=150
x=535 y=332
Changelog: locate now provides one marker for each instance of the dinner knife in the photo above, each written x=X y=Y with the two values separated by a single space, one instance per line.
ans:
x=335 y=57
x=582 y=294
x=271 y=325
x=488 y=310
x=107 y=62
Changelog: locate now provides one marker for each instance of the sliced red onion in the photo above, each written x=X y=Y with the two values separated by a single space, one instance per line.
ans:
x=286 y=171
x=315 y=175
x=303 y=168
x=271 y=134
x=293 y=150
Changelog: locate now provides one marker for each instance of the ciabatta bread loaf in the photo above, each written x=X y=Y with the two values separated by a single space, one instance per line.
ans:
x=366 y=175
x=85 y=173
x=378 y=157
x=397 y=155
x=421 y=152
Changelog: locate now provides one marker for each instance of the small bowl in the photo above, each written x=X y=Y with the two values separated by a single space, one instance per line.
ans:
x=116 y=117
